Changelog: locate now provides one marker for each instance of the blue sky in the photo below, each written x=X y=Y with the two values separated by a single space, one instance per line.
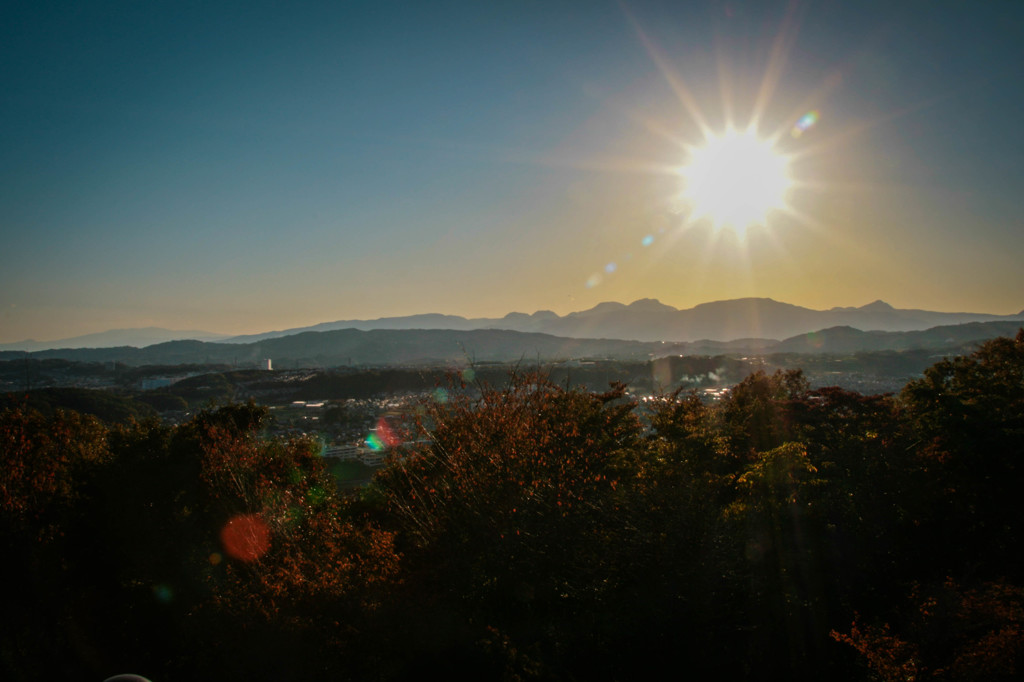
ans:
x=240 y=167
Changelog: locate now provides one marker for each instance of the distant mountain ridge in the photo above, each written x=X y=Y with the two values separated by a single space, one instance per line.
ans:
x=420 y=347
x=642 y=320
x=375 y=347
x=138 y=337
x=650 y=320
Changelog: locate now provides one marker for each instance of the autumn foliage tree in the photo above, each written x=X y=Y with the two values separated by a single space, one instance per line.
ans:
x=966 y=416
x=288 y=545
x=47 y=467
x=948 y=633
x=178 y=550
x=961 y=618
x=508 y=512
x=46 y=464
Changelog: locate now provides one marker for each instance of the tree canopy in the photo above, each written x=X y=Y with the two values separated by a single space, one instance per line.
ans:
x=533 y=531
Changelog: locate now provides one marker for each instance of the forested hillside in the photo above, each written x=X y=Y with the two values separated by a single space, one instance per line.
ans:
x=531 y=531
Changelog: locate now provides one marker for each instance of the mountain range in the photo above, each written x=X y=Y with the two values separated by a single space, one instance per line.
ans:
x=650 y=320
x=381 y=347
x=643 y=320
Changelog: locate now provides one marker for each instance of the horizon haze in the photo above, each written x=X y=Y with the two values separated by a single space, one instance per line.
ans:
x=647 y=320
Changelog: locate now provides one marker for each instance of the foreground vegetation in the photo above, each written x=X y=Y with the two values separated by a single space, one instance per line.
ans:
x=535 y=532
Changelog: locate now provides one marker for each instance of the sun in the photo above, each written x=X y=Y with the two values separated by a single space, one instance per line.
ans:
x=735 y=180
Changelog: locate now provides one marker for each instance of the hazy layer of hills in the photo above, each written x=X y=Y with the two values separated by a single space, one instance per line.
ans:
x=642 y=329
x=356 y=347
x=348 y=347
x=139 y=337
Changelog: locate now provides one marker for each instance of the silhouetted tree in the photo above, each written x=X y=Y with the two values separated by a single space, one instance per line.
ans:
x=966 y=417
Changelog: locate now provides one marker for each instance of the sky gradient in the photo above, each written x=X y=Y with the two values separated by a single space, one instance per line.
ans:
x=242 y=167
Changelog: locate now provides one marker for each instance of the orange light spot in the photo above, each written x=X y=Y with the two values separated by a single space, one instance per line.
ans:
x=246 y=537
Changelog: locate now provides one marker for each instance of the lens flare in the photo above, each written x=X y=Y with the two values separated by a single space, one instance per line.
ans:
x=163 y=593
x=815 y=340
x=383 y=436
x=805 y=123
x=246 y=537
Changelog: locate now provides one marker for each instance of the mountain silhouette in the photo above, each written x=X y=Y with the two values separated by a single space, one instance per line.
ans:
x=646 y=319
x=650 y=320
x=419 y=347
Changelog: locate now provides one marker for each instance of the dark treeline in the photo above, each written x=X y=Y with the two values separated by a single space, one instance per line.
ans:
x=108 y=406
x=51 y=384
x=534 y=531
x=198 y=386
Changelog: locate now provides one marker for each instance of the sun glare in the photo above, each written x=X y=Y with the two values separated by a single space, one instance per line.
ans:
x=735 y=180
